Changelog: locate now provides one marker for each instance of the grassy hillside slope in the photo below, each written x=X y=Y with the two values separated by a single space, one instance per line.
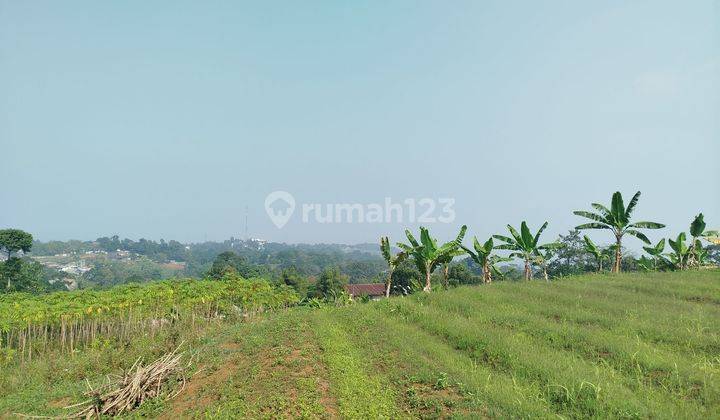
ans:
x=634 y=345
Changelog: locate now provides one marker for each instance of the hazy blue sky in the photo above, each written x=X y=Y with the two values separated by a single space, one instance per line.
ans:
x=165 y=119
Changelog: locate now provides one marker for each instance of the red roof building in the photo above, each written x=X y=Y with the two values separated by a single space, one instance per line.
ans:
x=373 y=290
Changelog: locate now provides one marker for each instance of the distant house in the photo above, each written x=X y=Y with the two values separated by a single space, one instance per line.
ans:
x=371 y=290
x=250 y=243
x=77 y=268
x=258 y=243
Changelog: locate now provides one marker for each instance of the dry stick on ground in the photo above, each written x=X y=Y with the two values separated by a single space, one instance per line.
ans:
x=135 y=386
x=126 y=392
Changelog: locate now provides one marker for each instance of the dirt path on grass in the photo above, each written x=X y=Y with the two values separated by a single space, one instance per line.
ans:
x=193 y=396
x=274 y=371
x=305 y=380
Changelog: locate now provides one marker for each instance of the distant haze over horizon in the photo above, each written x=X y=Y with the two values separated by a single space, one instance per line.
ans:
x=176 y=120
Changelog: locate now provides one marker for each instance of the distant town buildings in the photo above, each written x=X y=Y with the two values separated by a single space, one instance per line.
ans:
x=250 y=243
x=77 y=268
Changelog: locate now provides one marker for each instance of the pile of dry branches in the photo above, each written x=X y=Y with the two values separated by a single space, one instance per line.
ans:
x=124 y=392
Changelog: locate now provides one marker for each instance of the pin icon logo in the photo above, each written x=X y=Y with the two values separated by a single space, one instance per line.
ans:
x=280 y=206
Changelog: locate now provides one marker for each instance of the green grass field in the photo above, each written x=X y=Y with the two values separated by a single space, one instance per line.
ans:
x=634 y=345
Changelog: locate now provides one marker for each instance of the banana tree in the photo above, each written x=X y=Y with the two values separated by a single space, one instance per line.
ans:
x=484 y=258
x=446 y=265
x=609 y=252
x=700 y=254
x=525 y=245
x=542 y=259
x=697 y=231
x=681 y=253
x=617 y=220
x=393 y=261
x=597 y=252
x=426 y=253
x=656 y=253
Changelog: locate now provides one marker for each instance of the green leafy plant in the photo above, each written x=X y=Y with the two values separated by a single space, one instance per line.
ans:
x=393 y=261
x=656 y=252
x=315 y=303
x=685 y=255
x=543 y=257
x=645 y=263
x=446 y=265
x=72 y=320
x=525 y=245
x=484 y=257
x=681 y=253
x=426 y=253
x=597 y=252
x=442 y=381
x=697 y=254
x=617 y=220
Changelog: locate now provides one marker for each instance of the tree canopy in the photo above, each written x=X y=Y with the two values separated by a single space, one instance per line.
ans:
x=14 y=240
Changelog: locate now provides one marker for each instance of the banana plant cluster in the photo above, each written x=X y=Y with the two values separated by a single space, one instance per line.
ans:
x=427 y=256
x=484 y=257
x=617 y=220
x=526 y=246
x=697 y=253
x=426 y=253
x=683 y=255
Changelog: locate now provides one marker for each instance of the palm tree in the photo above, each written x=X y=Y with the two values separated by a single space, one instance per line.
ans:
x=525 y=245
x=393 y=261
x=596 y=251
x=617 y=219
x=428 y=255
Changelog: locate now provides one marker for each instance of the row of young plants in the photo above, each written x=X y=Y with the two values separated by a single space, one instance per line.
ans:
x=73 y=320
x=525 y=245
